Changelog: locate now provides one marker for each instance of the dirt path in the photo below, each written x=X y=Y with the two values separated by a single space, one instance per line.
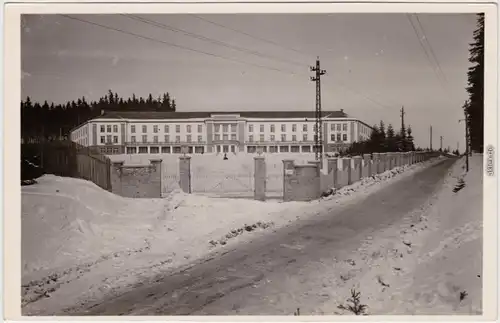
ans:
x=274 y=274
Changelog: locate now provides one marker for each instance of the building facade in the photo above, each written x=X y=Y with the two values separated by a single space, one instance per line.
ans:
x=218 y=132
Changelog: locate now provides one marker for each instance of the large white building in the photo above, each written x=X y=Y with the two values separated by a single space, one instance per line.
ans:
x=134 y=132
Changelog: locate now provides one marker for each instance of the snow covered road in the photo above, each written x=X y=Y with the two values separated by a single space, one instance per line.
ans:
x=300 y=266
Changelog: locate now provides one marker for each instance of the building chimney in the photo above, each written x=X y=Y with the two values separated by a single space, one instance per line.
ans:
x=102 y=112
x=342 y=110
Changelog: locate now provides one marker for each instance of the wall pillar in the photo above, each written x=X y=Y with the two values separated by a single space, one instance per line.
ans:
x=288 y=177
x=398 y=159
x=346 y=169
x=156 y=180
x=333 y=167
x=376 y=168
x=367 y=166
x=259 y=178
x=357 y=169
x=185 y=174
x=116 y=181
x=384 y=162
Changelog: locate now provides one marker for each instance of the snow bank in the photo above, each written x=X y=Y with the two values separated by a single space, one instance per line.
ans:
x=81 y=242
x=418 y=266
x=71 y=227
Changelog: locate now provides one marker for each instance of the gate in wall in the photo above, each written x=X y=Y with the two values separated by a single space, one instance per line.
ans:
x=216 y=176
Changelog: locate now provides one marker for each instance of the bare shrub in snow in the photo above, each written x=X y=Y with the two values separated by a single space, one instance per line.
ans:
x=354 y=304
x=460 y=185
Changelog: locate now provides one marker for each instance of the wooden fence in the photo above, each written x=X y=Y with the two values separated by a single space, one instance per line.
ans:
x=68 y=159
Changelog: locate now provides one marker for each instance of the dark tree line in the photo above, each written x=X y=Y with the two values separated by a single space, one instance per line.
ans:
x=47 y=121
x=474 y=107
x=384 y=140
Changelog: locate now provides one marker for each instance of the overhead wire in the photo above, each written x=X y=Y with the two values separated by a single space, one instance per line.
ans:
x=212 y=54
x=424 y=49
x=208 y=39
x=430 y=48
x=252 y=36
x=176 y=45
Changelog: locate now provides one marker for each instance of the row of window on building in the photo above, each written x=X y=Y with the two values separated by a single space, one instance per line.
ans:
x=217 y=137
x=164 y=150
x=80 y=133
x=109 y=128
x=225 y=128
x=305 y=137
x=281 y=149
x=272 y=127
x=144 y=128
x=219 y=149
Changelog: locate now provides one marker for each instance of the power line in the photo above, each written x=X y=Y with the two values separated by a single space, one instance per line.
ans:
x=429 y=59
x=210 y=40
x=343 y=85
x=211 y=54
x=252 y=36
x=291 y=49
x=176 y=45
x=430 y=48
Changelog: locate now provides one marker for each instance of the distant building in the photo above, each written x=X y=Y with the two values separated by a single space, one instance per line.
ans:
x=130 y=132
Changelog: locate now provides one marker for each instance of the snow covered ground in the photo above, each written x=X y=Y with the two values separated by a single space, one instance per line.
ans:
x=80 y=242
x=431 y=263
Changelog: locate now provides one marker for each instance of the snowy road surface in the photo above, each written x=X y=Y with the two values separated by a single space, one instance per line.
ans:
x=277 y=274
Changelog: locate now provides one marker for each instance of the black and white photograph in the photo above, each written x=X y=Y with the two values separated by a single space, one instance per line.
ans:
x=265 y=164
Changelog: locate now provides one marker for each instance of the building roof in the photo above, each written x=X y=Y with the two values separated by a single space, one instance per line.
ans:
x=243 y=114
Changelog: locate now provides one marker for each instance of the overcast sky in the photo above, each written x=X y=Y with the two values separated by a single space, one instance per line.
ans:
x=375 y=63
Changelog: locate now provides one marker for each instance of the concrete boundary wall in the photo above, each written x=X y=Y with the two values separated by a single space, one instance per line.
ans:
x=306 y=182
x=137 y=181
x=301 y=182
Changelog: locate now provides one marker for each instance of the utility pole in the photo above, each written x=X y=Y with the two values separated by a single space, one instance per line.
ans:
x=318 y=131
x=403 y=134
x=402 y=117
x=431 y=138
x=466 y=137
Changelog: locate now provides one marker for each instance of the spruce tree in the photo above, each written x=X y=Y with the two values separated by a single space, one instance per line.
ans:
x=390 y=139
x=382 y=139
x=475 y=105
x=166 y=104
x=409 y=139
x=374 y=143
x=402 y=142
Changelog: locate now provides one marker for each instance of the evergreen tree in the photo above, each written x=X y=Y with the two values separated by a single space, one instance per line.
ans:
x=402 y=144
x=382 y=139
x=409 y=140
x=174 y=106
x=474 y=107
x=165 y=104
x=39 y=121
x=391 y=144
